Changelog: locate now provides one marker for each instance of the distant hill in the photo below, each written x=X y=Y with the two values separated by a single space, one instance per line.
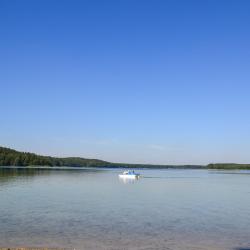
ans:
x=11 y=157
x=228 y=166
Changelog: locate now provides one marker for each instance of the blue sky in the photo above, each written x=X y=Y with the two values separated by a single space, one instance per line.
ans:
x=164 y=82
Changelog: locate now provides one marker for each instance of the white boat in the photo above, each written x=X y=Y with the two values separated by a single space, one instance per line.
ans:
x=129 y=174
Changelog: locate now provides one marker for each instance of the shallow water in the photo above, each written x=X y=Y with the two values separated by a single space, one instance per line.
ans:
x=93 y=209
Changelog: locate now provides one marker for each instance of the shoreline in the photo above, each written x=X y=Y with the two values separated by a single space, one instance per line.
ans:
x=116 y=167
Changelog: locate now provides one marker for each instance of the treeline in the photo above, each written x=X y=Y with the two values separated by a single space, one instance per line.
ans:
x=228 y=166
x=153 y=166
x=10 y=157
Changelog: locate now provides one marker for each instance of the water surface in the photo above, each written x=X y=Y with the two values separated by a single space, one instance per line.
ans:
x=93 y=209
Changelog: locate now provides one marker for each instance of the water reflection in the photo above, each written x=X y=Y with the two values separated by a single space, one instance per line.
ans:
x=246 y=248
x=125 y=180
x=20 y=174
x=92 y=209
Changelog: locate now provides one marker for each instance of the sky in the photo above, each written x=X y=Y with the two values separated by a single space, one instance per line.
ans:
x=160 y=82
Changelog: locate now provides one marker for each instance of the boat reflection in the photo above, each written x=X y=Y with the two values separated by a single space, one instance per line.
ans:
x=125 y=180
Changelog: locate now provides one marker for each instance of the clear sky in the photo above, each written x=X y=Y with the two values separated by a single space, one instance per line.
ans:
x=127 y=81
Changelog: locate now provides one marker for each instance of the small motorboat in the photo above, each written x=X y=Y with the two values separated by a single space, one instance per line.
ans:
x=129 y=174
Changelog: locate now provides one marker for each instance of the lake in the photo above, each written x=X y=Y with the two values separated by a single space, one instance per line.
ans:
x=93 y=209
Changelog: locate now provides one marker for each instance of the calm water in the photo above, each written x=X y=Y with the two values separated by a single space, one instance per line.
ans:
x=93 y=209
